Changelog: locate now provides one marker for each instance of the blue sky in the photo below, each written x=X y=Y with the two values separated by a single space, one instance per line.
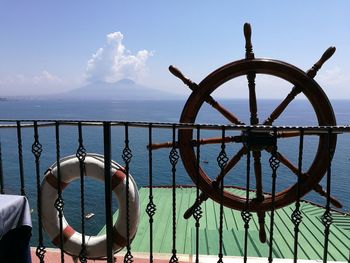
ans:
x=53 y=46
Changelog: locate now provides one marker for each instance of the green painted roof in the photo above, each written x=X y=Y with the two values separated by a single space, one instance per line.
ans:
x=311 y=236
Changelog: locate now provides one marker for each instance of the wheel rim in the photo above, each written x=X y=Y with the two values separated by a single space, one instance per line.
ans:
x=287 y=72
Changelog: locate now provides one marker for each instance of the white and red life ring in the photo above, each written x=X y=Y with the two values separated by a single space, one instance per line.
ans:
x=96 y=246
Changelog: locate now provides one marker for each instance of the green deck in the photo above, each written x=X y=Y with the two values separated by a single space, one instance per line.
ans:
x=311 y=236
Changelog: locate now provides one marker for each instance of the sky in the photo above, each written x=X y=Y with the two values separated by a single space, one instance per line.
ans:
x=48 y=47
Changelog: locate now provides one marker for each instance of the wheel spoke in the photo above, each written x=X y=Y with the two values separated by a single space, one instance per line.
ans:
x=258 y=177
x=252 y=99
x=203 y=196
x=156 y=146
x=262 y=232
x=217 y=140
x=227 y=114
x=231 y=163
x=304 y=176
x=287 y=163
x=291 y=134
x=283 y=105
x=209 y=99
x=214 y=140
x=249 y=54
x=296 y=90
x=259 y=194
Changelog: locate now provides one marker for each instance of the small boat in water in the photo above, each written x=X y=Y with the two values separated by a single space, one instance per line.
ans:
x=89 y=215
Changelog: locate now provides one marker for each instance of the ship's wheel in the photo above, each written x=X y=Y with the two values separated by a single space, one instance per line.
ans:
x=255 y=143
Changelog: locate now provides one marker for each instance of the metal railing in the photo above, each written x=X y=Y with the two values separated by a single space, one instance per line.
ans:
x=45 y=140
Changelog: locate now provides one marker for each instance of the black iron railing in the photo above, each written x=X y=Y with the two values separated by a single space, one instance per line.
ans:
x=53 y=132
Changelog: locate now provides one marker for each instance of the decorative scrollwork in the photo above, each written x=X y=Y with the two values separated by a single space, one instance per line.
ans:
x=128 y=258
x=37 y=149
x=173 y=157
x=220 y=258
x=127 y=154
x=296 y=217
x=59 y=204
x=327 y=219
x=274 y=162
x=174 y=258
x=222 y=159
x=197 y=215
x=40 y=253
x=82 y=255
x=81 y=153
x=151 y=209
x=246 y=216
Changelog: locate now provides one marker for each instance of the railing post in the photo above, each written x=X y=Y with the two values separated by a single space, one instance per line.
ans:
x=59 y=203
x=108 y=189
x=20 y=157
x=222 y=161
x=198 y=210
x=127 y=155
x=37 y=150
x=274 y=164
x=296 y=215
x=151 y=207
x=2 y=189
x=173 y=158
x=327 y=216
x=81 y=154
x=246 y=214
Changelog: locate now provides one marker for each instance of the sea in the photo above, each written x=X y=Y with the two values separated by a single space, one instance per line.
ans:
x=298 y=113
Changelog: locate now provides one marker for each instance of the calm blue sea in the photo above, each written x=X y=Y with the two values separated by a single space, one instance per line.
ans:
x=298 y=113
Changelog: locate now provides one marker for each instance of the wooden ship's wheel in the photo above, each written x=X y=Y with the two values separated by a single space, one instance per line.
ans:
x=256 y=142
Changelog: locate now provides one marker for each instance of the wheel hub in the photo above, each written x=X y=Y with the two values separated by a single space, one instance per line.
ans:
x=258 y=141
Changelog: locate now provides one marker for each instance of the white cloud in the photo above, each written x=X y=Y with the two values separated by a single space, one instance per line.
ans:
x=334 y=76
x=40 y=84
x=114 y=62
x=46 y=77
x=334 y=81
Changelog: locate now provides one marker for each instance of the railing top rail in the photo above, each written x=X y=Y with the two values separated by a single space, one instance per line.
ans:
x=6 y=124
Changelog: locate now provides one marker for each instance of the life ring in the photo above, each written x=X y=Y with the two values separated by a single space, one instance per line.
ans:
x=96 y=246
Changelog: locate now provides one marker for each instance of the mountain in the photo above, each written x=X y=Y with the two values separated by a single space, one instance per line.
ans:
x=124 y=89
